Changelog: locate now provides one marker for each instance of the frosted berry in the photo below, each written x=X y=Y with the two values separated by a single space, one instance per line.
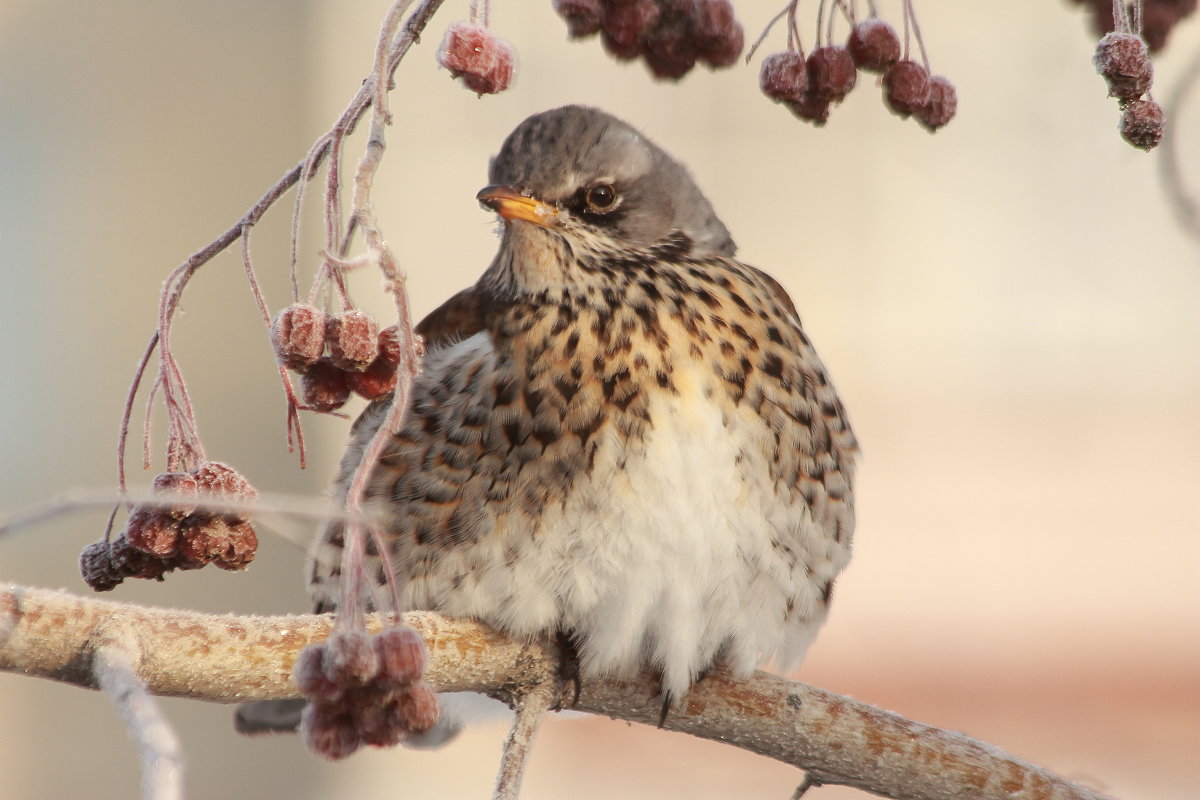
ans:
x=351 y=658
x=622 y=52
x=97 y=568
x=941 y=105
x=389 y=345
x=328 y=731
x=874 y=45
x=811 y=107
x=831 y=73
x=324 y=386
x=298 y=335
x=181 y=489
x=582 y=16
x=906 y=87
x=215 y=541
x=223 y=482
x=308 y=673
x=719 y=36
x=783 y=76
x=376 y=380
x=152 y=531
x=472 y=52
x=353 y=339
x=628 y=22
x=671 y=50
x=1123 y=61
x=418 y=708
x=401 y=655
x=1142 y=124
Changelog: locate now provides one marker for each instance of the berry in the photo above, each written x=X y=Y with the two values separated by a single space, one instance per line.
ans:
x=328 y=731
x=377 y=379
x=1142 y=124
x=783 y=76
x=401 y=655
x=353 y=339
x=215 y=541
x=223 y=482
x=670 y=50
x=811 y=107
x=719 y=36
x=473 y=53
x=941 y=105
x=129 y=562
x=324 y=386
x=181 y=489
x=308 y=673
x=95 y=564
x=152 y=531
x=874 y=45
x=627 y=23
x=298 y=335
x=831 y=73
x=418 y=708
x=351 y=658
x=582 y=16
x=1123 y=61
x=906 y=87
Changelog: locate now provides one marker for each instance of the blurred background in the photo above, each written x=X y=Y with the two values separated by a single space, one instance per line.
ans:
x=1009 y=309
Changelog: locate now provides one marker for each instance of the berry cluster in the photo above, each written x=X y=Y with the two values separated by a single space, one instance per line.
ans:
x=336 y=354
x=810 y=86
x=1124 y=61
x=669 y=35
x=473 y=53
x=363 y=690
x=1159 y=17
x=175 y=533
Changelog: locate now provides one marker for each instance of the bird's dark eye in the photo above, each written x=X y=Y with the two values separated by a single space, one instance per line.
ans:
x=601 y=197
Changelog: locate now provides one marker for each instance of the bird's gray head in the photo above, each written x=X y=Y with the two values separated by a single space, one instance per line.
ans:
x=578 y=170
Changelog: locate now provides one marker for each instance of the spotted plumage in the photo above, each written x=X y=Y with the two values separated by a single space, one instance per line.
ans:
x=620 y=432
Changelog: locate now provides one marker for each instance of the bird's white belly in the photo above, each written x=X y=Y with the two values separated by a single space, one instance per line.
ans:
x=664 y=554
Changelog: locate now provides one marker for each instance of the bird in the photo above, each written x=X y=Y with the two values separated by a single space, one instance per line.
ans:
x=620 y=435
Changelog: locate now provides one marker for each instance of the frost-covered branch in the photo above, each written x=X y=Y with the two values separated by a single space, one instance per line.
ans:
x=229 y=659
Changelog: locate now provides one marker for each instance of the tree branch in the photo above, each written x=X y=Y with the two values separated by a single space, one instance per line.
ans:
x=228 y=659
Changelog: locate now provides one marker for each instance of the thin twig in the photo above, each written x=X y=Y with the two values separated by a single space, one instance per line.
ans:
x=115 y=665
x=529 y=707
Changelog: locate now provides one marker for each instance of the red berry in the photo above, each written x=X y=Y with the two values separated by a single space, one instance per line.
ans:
x=811 y=107
x=874 y=45
x=353 y=339
x=719 y=36
x=324 y=386
x=308 y=673
x=351 y=658
x=671 y=50
x=130 y=562
x=1142 y=124
x=378 y=379
x=783 y=76
x=418 y=708
x=223 y=482
x=298 y=335
x=627 y=23
x=1123 y=61
x=180 y=489
x=401 y=655
x=941 y=105
x=473 y=53
x=831 y=73
x=328 y=732
x=152 y=531
x=906 y=87
x=582 y=16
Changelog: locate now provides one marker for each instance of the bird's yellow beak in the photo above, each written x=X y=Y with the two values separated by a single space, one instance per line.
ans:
x=511 y=204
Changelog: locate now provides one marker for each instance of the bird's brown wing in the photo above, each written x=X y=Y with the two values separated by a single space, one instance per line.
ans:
x=460 y=317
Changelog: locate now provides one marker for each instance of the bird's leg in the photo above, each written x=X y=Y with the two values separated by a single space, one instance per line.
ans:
x=568 y=668
x=809 y=782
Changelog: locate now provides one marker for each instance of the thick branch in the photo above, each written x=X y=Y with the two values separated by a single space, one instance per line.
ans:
x=230 y=659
